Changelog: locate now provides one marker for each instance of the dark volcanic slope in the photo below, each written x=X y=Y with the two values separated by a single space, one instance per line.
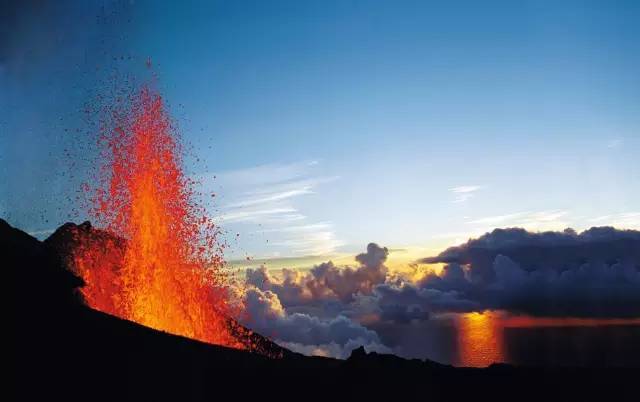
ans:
x=69 y=235
x=63 y=350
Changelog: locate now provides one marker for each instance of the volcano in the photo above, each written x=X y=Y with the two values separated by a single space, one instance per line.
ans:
x=63 y=349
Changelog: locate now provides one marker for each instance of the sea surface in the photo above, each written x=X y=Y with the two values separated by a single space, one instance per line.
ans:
x=478 y=340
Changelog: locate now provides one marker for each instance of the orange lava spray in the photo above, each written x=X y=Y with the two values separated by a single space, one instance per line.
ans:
x=167 y=271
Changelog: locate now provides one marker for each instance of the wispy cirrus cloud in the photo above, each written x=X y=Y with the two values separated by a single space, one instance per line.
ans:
x=270 y=197
x=614 y=143
x=257 y=215
x=532 y=220
x=464 y=193
x=269 y=203
x=630 y=220
x=309 y=239
x=544 y=220
x=280 y=191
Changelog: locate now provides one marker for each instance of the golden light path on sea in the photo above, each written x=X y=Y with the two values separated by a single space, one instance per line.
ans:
x=480 y=340
x=480 y=336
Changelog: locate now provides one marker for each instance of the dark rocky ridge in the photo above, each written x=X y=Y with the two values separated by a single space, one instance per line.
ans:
x=64 y=350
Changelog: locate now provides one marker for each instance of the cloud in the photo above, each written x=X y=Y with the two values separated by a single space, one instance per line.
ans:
x=522 y=219
x=629 y=220
x=593 y=289
x=279 y=191
x=310 y=240
x=269 y=197
x=402 y=301
x=272 y=197
x=408 y=302
x=597 y=240
x=595 y=273
x=290 y=288
x=308 y=311
x=261 y=215
x=326 y=281
x=615 y=143
x=464 y=193
x=304 y=333
x=464 y=189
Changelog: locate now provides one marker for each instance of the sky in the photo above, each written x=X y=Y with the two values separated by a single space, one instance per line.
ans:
x=325 y=125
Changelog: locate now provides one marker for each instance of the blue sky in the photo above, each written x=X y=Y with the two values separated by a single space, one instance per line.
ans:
x=328 y=125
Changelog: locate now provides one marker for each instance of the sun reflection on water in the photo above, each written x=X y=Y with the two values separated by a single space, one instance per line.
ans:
x=480 y=339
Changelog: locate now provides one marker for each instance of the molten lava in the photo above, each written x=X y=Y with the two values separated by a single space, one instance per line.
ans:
x=156 y=261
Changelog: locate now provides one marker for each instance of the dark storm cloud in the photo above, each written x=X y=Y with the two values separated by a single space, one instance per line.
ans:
x=593 y=289
x=591 y=274
x=408 y=302
x=547 y=250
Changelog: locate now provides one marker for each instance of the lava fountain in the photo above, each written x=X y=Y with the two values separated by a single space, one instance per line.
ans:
x=156 y=260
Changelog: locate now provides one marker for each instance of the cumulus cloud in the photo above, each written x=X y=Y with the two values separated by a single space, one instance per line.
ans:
x=408 y=301
x=288 y=289
x=325 y=282
x=401 y=301
x=304 y=333
x=307 y=312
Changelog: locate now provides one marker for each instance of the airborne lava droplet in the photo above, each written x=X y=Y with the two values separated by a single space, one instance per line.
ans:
x=156 y=260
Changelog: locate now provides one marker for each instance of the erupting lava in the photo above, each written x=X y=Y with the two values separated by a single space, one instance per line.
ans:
x=157 y=262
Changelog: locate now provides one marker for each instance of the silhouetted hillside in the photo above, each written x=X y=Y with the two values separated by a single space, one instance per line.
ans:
x=63 y=350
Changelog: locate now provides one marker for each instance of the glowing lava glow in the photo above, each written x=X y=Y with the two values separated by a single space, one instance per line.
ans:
x=156 y=261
